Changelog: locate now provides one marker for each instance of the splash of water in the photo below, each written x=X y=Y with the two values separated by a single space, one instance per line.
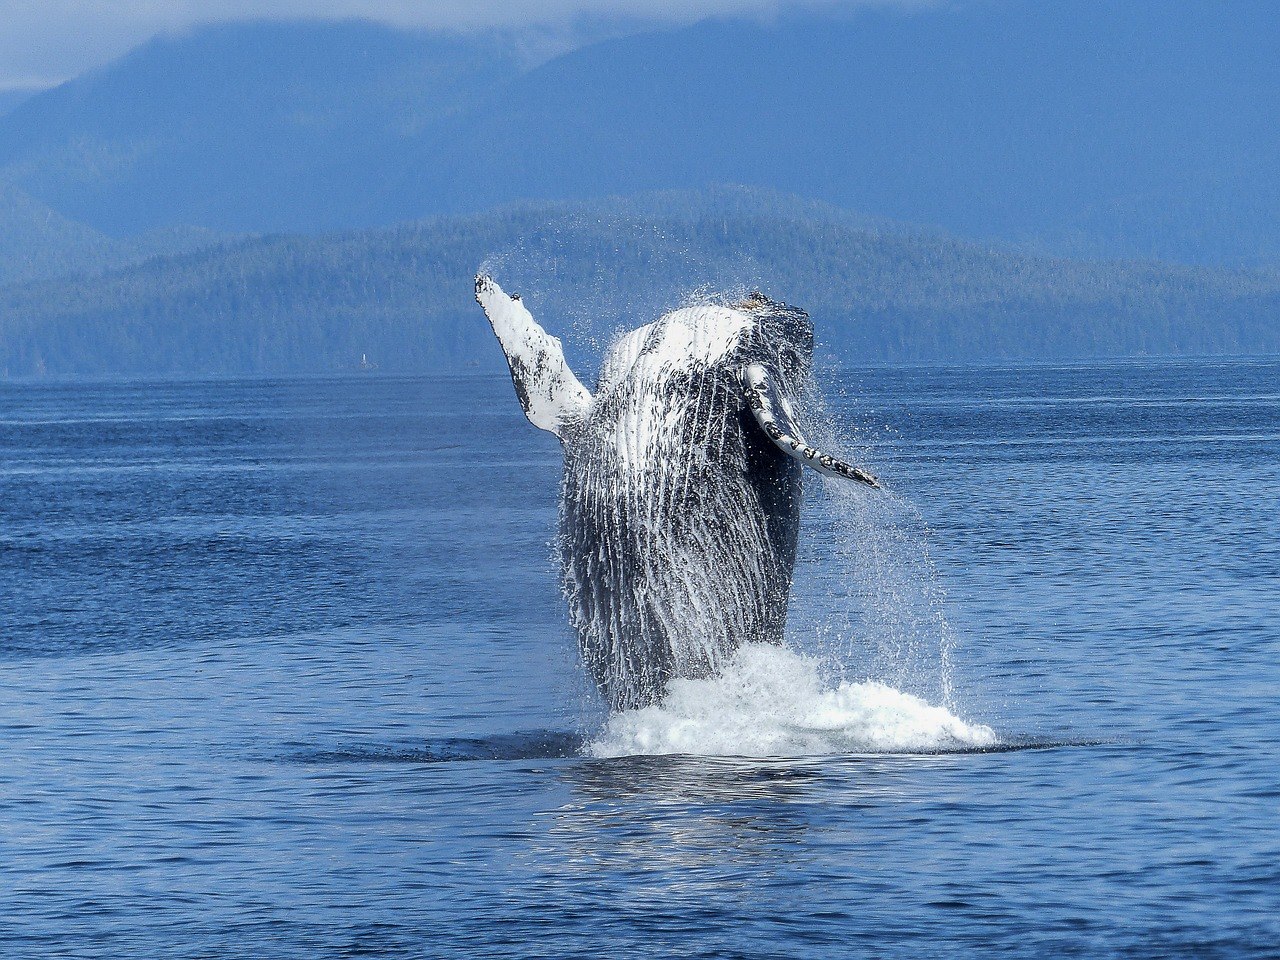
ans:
x=868 y=599
x=867 y=604
x=873 y=598
x=869 y=654
x=771 y=701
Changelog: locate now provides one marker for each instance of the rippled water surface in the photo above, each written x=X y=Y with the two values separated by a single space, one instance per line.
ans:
x=284 y=673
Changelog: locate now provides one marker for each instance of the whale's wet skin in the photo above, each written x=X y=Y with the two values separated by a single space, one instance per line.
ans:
x=680 y=505
x=678 y=527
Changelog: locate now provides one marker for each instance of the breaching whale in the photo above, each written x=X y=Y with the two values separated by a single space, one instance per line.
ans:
x=680 y=503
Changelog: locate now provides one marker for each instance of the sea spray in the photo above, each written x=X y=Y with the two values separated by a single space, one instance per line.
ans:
x=868 y=599
x=873 y=598
x=869 y=647
x=771 y=701
x=867 y=604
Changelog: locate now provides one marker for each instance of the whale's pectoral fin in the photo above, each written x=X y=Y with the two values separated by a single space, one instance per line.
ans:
x=552 y=397
x=773 y=413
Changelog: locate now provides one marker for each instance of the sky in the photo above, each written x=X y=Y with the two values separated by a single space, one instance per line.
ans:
x=43 y=42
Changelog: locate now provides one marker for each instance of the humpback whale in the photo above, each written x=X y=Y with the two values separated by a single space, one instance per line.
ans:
x=680 y=501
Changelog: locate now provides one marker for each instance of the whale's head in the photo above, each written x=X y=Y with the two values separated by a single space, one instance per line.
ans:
x=777 y=362
x=779 y=338
x=764 y=345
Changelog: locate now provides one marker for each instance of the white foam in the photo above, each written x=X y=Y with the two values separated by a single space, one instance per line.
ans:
x=770 y=702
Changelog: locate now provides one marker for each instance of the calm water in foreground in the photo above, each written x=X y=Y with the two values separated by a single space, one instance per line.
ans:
x=284 y=673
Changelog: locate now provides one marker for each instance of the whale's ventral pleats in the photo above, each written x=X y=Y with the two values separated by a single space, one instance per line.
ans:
x=680 y=504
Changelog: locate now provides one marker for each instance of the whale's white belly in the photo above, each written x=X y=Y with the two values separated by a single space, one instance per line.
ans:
x=654 y=392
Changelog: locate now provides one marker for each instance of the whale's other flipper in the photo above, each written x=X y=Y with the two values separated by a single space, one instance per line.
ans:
x=552 y=397
x=773 y=414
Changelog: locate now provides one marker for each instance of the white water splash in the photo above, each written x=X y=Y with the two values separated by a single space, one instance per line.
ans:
x=868 y=598
x=771 y=701
x=867 y=608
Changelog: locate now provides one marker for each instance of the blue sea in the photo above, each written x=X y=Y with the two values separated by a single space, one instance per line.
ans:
x=285 y=673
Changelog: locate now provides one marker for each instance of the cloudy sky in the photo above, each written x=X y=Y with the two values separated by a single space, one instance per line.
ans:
x=45 y=41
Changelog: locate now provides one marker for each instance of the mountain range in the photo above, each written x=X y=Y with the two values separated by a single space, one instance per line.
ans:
x=297 y=304
x=959 y=180
x=1142 y=129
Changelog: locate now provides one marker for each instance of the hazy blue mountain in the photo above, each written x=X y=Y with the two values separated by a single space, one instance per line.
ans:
x=244 y=127
x=291 y=304
x=1143 y=128
x=37 y=243
x=1011 y=119
x=11 y=97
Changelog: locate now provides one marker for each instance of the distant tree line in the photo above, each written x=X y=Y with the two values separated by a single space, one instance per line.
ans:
x=403 y=295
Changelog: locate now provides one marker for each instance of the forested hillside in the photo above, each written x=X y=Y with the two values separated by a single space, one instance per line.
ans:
x=403 y=295
x=37 y=243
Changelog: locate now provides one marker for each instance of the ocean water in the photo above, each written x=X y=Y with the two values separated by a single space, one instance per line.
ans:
x=284 y=672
